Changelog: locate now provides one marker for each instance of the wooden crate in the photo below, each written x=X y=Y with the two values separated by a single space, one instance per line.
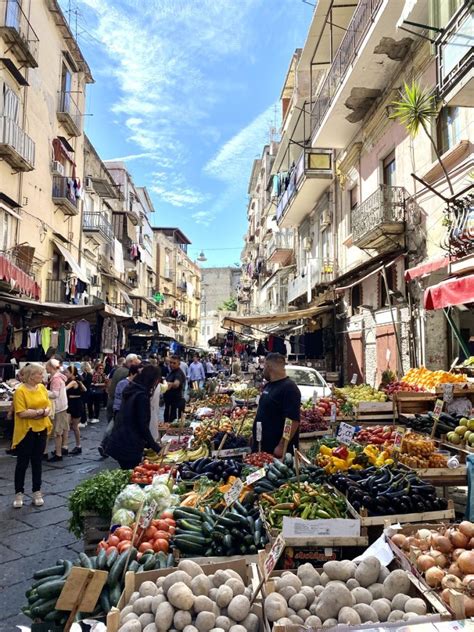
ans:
x=426 y=516
x=444 y=476
x=96 y=528
x=413 y=402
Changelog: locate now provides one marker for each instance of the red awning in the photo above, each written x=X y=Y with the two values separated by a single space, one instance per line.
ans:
x=18 y=279
x=426 y=268
x=457 y=291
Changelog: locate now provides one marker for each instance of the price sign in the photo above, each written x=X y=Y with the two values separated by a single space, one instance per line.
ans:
x=149 y=514
x=234 y=492
x=274 y=555
x=398 y=438
x=223 y=454
x=345 y=433
x=287 y=429
x=258 y=431
x=438 y=408
x=315 y=397
x=255 y=476
x=354 y=378
x=333 y=413
x=448 y=393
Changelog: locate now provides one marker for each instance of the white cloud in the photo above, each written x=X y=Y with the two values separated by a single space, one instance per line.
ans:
x=174 y=189
x=203 y=217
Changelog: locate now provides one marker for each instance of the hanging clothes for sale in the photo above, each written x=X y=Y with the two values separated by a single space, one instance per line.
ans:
x=83 y=334
x=287 y=347
x=72 y=342
x=61 y=340
x=46 y=338
x=109 y=335
x=54 y=339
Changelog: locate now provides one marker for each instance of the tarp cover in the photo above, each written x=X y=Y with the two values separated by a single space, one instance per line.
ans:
x=457 y=291
x=283 y=317
x=423 y=269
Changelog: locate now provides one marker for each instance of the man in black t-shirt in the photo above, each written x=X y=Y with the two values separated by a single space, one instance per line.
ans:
x=280 y=400
x=173 y=396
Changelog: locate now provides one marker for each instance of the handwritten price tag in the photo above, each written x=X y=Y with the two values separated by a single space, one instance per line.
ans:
x=274 y=555
x=255 y=476
x=223 y=454
x=287 y=429
x=149 y=514
x=258 y=431
x=333 y=413
x=345 y=433
x=354 y=378
x=234 y=492
x=398 y=438
x=438 y=408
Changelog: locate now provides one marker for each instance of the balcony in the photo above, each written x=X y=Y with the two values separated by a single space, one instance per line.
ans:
x=280 y=248
x=309 y=178
x=16 y=147
x=55 y=291
x=64 y=195
x=99 y=225
x=315 y=273
x=455 y=59
x=370 y=51
x=379 y=221
x=18 y=33
x=69 y=114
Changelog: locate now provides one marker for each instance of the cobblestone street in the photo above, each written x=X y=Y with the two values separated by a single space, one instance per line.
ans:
x=33 y=538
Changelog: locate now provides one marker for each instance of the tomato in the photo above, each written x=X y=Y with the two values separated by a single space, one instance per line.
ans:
x=124 y=533
x=162 y=525
x=110 y=549
x=113 y=540
x=170 y=522
x=124 y=545
x=165 y=535
x=161 y=544
x=145 y=546
x=150 y=533
x=166 y=514
x=102 y=545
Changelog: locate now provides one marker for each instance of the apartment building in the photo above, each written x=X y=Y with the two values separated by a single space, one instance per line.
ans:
x=178 y=284
x=218 y=285
x=342 y=181
x=43 y=82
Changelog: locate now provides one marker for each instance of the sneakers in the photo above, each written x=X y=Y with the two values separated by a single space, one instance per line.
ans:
x=18 y=502
x=64 y=451
x=38 y=500
x=76 y=450
x=94 y=421
x=55 y=458
x=81 y=425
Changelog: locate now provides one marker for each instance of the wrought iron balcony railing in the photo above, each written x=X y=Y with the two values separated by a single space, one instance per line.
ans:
x=379 y=219
x=17 y=31
x=15 y=146
x=69 y=113
x=97 y=222
x=64 y=195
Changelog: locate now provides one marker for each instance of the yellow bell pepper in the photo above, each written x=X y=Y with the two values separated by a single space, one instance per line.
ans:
x=325 y=450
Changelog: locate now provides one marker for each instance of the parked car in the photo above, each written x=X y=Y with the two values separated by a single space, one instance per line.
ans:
x=308 y=380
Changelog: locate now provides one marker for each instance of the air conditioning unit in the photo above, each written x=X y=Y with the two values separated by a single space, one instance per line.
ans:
x=325 y=218
x=95 y=280
x=88 y=183
x=57 y=169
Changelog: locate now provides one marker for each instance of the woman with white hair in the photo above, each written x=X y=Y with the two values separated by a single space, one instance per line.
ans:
x=57 y=386
x=32 y=425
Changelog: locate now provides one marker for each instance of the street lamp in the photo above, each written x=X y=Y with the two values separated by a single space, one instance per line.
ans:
x=202 y=256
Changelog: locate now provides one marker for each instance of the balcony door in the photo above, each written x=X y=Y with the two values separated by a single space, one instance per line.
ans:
x=13 y=14
x=66 y=85
x=389 y=170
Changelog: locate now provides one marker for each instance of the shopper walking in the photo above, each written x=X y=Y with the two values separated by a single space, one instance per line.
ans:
x=98 y=390
x=210 y=369
x=196 y=373
x=57 y=387
x=119 y=373
x=173 y=397
x=88 y=413
x=131 y=431
x=74 y=389
x=31 y=427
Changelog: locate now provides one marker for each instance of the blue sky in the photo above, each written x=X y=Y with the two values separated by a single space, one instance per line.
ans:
x=186 y=91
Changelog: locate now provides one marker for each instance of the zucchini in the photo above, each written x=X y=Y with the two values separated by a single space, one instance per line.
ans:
x=115 y=593
x=117 y=570
x=170 y=560
x=228 y=541
x=48 y=572
x=111 y=559
x=134 y=566
x=194 y=537
x=186 y=546
x=104 y=599
x=54 y=615
x=67 y=568
x=238 y=519
x=102 y=559
x=190 y=525
x=188 y=513
x=45 y=580
x=85 y=560
x=149 y=563
x=51 y=589
x=41 y=609
x=239 y=508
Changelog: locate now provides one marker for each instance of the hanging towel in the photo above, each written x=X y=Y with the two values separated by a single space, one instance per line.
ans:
x=118 y=257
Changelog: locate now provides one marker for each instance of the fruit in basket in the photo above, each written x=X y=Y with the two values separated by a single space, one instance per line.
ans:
x=361 y=393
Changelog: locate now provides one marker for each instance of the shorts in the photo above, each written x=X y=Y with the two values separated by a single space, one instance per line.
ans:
x=76 y=407
x=61 y=422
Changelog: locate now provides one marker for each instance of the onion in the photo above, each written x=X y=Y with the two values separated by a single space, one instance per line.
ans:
x=467 y=528
x=413 y=542
x=424 y=562
x=451 y=581
x=441 y=543
x=440 y=559
x=399 y=540
x=445 y=595
x=470 y=544
x=424 y=534
x=469 y=606
x=457 y=553
x=468 y=582
x=455 y=570
x=458 y=539
x=433 y=576
x=466 y=562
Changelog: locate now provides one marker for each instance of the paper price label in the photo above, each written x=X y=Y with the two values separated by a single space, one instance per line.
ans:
x=345 y=433
x=354 y=378
x=398 y=438
x=448 y=390
x=234 y=492
x=274 y=555
x=222 y=454
x=258 y=431
x=149 y=514
x=438 y=408
x=287 y=429
x=333 y=413
x=255 y=476
x=315 y=397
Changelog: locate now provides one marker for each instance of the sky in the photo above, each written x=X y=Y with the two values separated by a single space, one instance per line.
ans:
x=187 y=93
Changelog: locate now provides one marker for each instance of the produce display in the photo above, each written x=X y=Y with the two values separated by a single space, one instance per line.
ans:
x=215 y=470
x=219 y=401
x=429 y=380
x=336 y=457
x=243 y=419
x=208 y=430
x=231 y=442
x=133 y=498
x=423 y=423
x=237 y=531
x=143 y=474
x=377 y=435
x=278 y=473
x=245 y=394
x=463 y=433
x=420 y=451
x=345 y=593
x=445 y=558
x=206 y=493
x=259 y=459
x=179 y=456
x=190 y=600
x=307 y=500
x=400 y=387
x=155 y=537
x=311 y=420
x=360 y=393
x=387 y=491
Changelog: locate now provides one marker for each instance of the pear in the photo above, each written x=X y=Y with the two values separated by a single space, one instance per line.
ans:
x=460 y=430
x=471 y=424
x=463 y=421
x=454 y=438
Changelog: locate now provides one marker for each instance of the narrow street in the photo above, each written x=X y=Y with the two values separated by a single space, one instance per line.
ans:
x=32 y=537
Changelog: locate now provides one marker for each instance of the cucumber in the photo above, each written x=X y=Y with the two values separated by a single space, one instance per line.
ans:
x=190 y=525
x=257 y=537
x=33 y=596
x=104 y=599
x=51 y=589
x=188 y=513
x=102 y=559
x=228 y=541
x=145 y=556
x=194 y=537
x=134 y=566
x=41 y=609
x=239 y=508
x=85 y=560
x=54 y=615
x=186 y=546
x=44 y=580
x=93 y=560
x=115 y=593
x=67 y=568
x=170 y=560
x=149 y=564
x=116 y=572
x=238 y=519
x=48 y=572
x=111 y=559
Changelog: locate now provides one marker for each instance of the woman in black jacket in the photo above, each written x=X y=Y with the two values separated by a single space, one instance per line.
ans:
x=131 y=431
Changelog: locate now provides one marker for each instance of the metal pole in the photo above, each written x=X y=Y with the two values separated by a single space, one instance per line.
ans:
x=389 y=298
x=456 y=332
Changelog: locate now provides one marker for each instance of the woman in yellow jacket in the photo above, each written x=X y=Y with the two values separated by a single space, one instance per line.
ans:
x=32 y=425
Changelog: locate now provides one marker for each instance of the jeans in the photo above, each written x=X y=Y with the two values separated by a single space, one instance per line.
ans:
x=30 y=449
x=98 y=400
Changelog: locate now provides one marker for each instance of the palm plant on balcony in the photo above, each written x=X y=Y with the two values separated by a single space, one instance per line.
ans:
x=415 y=109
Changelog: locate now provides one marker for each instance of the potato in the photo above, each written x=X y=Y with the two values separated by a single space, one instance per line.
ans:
x=224 y=596
x=368 y=571
x=190 y=567
x=150 y=627
x=275 y=607
x=303 y=613
x=203 y=604
x=164 y=617
x=180 y=596
x=352 y=583
x=200 y=585
x=399 y=601
x=181 y=619
x=381 y=608
x=190 y=628
x=323 y=578
x=213 y=593
x=297 y=602
x=309 y=593
x=341 y=571
x=397 y=582
x=251 y=622
x=284 y=621
x=416 y=605
x=308 y=575
x=234 y=574
x=289 y=579
x=127 y=610
x=313 y=622
x=318 y=590
x=159 y=582
x=362 y=595
x=384 y=573
x=395 y=615
x=348 y=616
x=205 y=621
x=174 y=578
x=410 y=616
x=287 y=592
x=131 y=626
x=237 y=628
x=133 y=597
x=148 y=589
x=236 y=585
x=329 y=623
x=294 y=618
x=217 y=630
x=156 y=602
x=220 y=577
x=142 y=605
x=132 y=616
x=248 y=592
x=146 y=618
x=331 y=600
x=238 y=608
x=366 y=613
x=224 y=622
x=376 y=590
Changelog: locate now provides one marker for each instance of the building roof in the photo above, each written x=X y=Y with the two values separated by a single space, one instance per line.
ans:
x=177 y=233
